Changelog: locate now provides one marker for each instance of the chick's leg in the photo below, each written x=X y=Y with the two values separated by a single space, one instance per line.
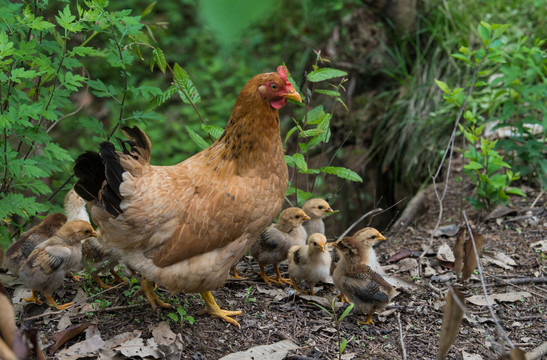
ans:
x=343 y=298
x=368 y=321
x=147 y=288
x=52 y=303
x=34 y=298
x=295 y=285
x=215 y=311
x=100 y=282
x=117 y=278
x=278 y=277
x=236 y=275
x=268 y=280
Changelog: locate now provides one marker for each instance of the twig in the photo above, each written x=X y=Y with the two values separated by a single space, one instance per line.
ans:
x=537 y=353
x=401 y=340
x=526 y=280
x=450 y=150
x=537 y=199
x=370 y=213
x=483 y=282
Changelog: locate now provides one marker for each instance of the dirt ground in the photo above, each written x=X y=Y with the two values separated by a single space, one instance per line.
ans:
x=273 y=314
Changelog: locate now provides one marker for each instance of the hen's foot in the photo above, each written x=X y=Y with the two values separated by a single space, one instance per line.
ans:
x=101 y=283
x=215 y=311
x=117 y=278
x=148 y=290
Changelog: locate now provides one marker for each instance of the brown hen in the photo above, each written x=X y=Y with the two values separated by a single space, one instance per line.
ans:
x=184 y=226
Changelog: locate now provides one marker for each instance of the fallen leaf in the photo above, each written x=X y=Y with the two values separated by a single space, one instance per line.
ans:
x=447 y=230
x=470 y=258
x=275 y=351
x=540 y=245
x=500 y=211
x=410 y=265
x=276 y=294
x=162 y=334
x=480 y=300
x=444 y=253
x=501 y=260
x=469 y=356
x=459 y=252
x=62 y=337
x=452 y=319
x=88 y=348
x=137 y=347
x=403 y=254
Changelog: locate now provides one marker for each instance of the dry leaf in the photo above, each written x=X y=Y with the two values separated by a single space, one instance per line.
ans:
x=162 y=334
x=513 y=354
x=501 y=260
x=444 y=253
x=459 y=252
x=447 y=230
x=62 y=337
x=470 y=259
x=403 y=254
x=480 y=300
x=410 y=265
x=275 y=351
x=452 y=319
x=137 y=347
x=540 y=245
x=469 y=356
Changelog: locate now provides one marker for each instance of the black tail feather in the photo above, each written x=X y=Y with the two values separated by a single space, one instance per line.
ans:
x=89 y=169
x=110 y=194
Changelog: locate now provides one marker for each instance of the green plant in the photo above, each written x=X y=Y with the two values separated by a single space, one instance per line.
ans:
x=248 y=297
x=342 y=342
x=181 y=316
x=45 y=62
x=133 y=287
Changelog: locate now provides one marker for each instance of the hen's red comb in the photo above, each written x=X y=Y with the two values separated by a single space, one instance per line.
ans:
x=282 y=72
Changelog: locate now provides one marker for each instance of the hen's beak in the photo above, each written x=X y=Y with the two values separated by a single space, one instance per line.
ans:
x=293 y=95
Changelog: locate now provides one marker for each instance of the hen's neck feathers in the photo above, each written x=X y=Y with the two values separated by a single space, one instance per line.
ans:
x=251 y=137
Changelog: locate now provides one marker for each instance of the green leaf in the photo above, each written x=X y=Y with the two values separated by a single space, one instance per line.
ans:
x=186 y=85
x=484 y=33
x=198 y=140
x=473 y=165
x=161 y=99
x=325 y=74
x=515 y=191
x=442 y=85
x=461 y=57
x=342 y=172
x=300 y=161
x=159 y=58
x=289 y=133
x=213 y=130
x=346 y=312
x=148 y=9
x=332 y=93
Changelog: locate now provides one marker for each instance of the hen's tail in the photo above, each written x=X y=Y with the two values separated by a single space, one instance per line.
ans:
x=100 y=174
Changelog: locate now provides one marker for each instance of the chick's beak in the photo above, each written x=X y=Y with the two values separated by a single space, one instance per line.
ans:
x=306 y=217
x=381 y=238
x=293 y=95
x=93 y=234
x=329 y=210
x=322 y=247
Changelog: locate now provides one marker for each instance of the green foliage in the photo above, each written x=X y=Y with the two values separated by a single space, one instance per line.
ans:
x=181 y=316
x=509 y=95
x=45 y=63
x=342 y=342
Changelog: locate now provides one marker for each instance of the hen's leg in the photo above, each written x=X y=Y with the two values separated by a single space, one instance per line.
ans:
x=117 y=278
x=215 y=311
x=278 y=277
x=100 y=282
x=148 y=290
x=34 y=298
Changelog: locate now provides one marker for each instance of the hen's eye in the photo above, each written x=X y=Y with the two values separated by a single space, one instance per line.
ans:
x=273 y=86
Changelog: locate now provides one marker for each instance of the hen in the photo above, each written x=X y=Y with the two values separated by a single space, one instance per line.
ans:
x=316 y=209
x=273 y=244
x=45 y=268
x=310 y=262
x=362 y=286
x=184 y=226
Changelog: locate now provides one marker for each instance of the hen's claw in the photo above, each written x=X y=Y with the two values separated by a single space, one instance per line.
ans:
x=148 y=290
x=215 y=311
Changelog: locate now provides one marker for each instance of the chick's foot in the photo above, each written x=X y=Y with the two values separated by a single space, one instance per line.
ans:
x=215 y=311
x=34 y=298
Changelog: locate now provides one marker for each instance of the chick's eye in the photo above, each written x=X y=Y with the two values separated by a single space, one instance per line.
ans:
x=297 y=216
x=320 y=207
x=273 y=86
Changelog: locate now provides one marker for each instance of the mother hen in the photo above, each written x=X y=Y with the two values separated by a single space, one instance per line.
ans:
x=184 y=226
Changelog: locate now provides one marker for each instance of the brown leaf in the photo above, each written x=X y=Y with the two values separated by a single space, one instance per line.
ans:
x=452 y=319
x=470 y=259
x=459 y=253
x=403 y=254
x=514 y=354
x=62 y=337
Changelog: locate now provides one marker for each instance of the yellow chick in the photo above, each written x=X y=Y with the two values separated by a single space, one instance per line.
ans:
x=357 y=281
x=316 y=209
x=272 y=246
x=310 y=262
x=45 y=268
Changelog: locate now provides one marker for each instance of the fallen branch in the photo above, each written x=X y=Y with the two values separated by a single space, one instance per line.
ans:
x=417 y=205
x=521 y=281
x=401 y=340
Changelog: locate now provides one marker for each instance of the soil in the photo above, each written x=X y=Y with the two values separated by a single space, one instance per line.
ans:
x=271 y=314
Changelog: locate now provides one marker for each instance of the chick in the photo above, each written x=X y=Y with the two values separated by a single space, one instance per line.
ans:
x=272 y=246
x=310 y=262
x=362 y=286
x=316 y=209
x=95 y=255
x=45 y=268
x=19 y=251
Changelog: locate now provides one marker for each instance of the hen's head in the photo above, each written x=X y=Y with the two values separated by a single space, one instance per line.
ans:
x=317 y=242
x=317 y=208
x=368 y=237
x=275 y=88
x=293 y=217
x=75 y=231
